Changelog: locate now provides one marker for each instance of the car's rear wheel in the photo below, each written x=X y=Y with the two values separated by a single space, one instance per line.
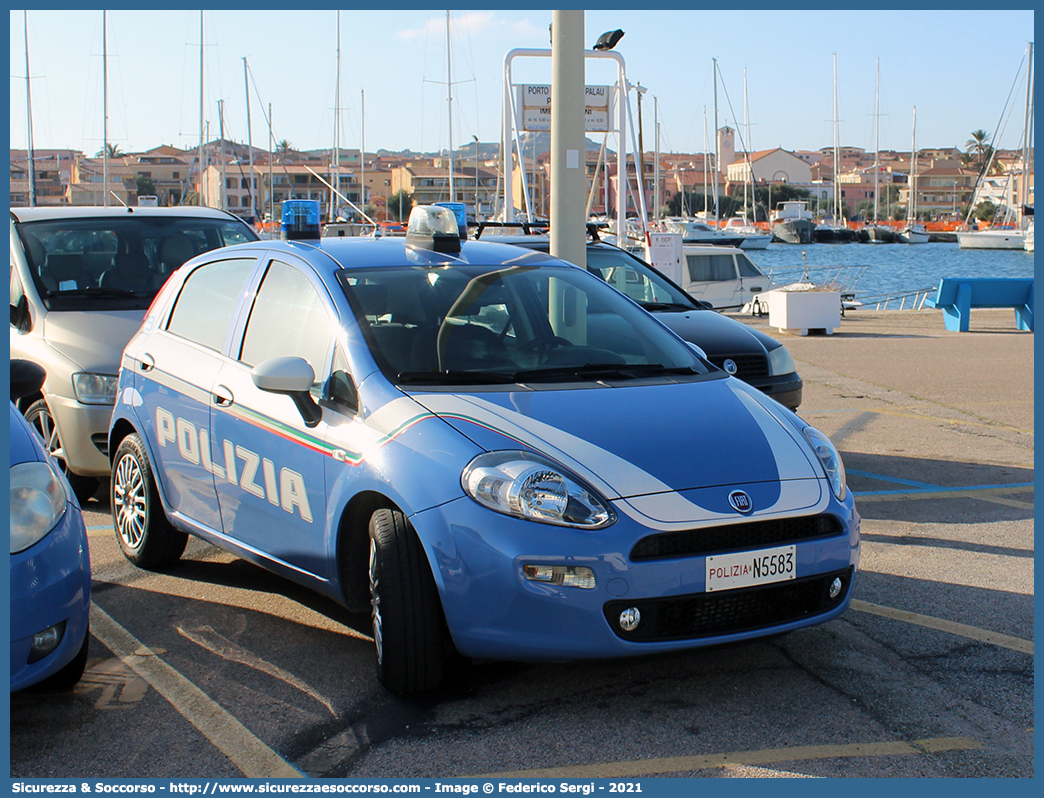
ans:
x=145 y=535
x=39 y=415
x=409 y=630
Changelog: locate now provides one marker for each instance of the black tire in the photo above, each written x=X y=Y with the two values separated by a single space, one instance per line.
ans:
x=411 y=641
x=145 y=535
x=39 y=415
x=69 y=675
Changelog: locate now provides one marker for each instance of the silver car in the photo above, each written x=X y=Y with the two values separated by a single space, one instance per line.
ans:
x=81 y=281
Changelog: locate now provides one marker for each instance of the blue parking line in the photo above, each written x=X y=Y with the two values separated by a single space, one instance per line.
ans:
x=893 y=480
x=938 y=489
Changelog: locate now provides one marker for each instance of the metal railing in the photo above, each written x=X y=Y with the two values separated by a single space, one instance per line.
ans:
x=914 y=299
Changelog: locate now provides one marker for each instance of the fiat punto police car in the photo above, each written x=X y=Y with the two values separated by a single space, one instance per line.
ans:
x=492 y=451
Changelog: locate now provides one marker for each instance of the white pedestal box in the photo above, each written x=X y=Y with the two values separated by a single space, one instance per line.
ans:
x=802 y=311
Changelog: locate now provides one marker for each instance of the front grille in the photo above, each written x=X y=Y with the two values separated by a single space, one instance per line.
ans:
x=748 y=366
x=729 y=612
x=735 y=537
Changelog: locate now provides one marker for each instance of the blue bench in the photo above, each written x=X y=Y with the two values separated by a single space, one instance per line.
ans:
x=958 y=295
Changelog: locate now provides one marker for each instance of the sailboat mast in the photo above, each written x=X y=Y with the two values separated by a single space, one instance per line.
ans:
x=706 y=158
x=912 y=204
x=362 y=152
x=656 y=165
x=202 y=111
x=223 y=194
x=250 y=142
x=29 y=117
x=271 y=157
x=337 y=129
x=837 y=153
x=449 y=102
x=877 y=137
x=1027 y=133
x=717 y=152
x=746 y=144
x=105 y=112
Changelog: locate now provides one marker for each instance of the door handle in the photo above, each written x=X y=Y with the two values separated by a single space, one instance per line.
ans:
x=147 y=362
x=223 y=396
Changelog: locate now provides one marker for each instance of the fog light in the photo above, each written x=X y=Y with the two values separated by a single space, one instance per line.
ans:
x=46 y=641
x=564 y=575
x=835 y=588
x=630 y=618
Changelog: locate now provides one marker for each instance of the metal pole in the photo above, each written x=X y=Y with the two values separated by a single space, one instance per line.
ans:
x=271 y=157
x=105 y=113
x=223 y=193
x=717 y=140
x=337 y=129
x=202 y=194
x=568 y=181
x=449 y=102
x=29 y=119
x=250 y=143
x=362 y=154
x=657 y=198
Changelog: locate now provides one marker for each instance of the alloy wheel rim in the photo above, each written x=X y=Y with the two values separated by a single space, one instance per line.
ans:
x=45 y=427
x=375 y=602
x=129 y=502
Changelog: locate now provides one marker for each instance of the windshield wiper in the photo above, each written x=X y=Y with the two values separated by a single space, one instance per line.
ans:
x=667 y=306
x=603 y=371
x=100 y=292
x=455 y=377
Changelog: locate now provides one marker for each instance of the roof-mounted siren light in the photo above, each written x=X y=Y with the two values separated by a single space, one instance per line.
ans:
x=300 y=220
x=433 y=227
x=460 y=211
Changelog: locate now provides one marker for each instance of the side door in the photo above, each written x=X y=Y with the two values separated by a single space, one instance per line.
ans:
x=712 y=278
x=753 y=280
x=272 y=490
x=175 y=369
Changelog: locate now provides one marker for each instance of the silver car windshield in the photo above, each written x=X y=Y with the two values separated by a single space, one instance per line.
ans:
x=77 y=263
x=493 y=324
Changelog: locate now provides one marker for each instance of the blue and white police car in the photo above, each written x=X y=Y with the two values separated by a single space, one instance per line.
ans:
x=490 y=450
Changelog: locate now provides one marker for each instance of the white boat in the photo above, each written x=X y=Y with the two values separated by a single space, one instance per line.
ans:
x=753 y=237
x=1027 y=240
x=693 y=231
x=913 y=232
x=1005 y=236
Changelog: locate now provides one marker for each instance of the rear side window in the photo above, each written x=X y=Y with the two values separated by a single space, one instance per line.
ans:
x=203 y=310
x=747 y=268
x=709 y=268
x=288 y=319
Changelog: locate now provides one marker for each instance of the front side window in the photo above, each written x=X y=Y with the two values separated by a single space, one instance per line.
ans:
x=203 y=310
x=288 y=319
x=710 y=268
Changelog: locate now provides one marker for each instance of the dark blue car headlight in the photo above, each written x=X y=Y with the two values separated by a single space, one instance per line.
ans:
x=830 y=459
x=38 y=502
x=526 y=485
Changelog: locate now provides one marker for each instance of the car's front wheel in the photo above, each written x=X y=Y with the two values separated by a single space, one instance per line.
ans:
x=145 y=535
x=39 y=415
x=409 y=631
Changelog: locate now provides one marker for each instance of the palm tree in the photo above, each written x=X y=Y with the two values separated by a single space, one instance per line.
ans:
x=979 y=145
x=283 y=148
x=109 y=150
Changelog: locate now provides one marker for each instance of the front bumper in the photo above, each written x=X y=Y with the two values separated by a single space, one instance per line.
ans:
x=78 y=424
x=50 y=583
x=785 y=389
x=494 y=612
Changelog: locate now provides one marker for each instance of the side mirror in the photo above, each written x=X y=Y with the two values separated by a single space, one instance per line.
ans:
x=343 y=391
x=698 y=350
x=26 y=378
x=20 y=318
x=291 y=376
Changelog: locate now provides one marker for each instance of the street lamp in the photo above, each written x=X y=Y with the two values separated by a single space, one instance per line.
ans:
x=608 y=40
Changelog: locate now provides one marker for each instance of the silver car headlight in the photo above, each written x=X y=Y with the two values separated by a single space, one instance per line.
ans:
x=38 y=502
x=526 y=485
x=95 y=389
x=780 y=361
x=830 y=460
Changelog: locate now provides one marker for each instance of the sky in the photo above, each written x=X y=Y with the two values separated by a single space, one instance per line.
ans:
x=958 y=67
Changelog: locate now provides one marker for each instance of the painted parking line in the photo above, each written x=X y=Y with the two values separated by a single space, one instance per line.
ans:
x=228 y=735
x=769 y=756
x=945 y=493
x=942 y=625
x=935 y=419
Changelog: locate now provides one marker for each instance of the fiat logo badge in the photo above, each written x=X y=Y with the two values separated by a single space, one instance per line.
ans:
x=730 y=366
x=740 y=501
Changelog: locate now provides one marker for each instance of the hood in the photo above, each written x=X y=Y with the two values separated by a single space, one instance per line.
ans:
x=647 y=440
x=714 y=333
x=24 y=449
x=93 y=340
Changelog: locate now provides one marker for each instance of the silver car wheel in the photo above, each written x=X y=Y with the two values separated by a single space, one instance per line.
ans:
x=375 y=601
x=129 y=501
x=43 y=422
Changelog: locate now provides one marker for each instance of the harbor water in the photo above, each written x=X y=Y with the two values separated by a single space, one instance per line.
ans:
x=876 y=271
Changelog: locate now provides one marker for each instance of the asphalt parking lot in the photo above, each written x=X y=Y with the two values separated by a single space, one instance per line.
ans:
x=219 y=669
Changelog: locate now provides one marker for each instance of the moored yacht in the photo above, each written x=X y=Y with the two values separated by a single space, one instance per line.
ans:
x=792 y=222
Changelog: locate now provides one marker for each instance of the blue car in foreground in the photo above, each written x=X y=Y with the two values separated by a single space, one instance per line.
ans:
x=491 y=451
x=50 y=563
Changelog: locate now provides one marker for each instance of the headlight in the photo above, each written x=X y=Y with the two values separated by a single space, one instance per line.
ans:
x=526 y=485
x=780 y=361
x=95 y=389
x=38 y=501
x=830 y=460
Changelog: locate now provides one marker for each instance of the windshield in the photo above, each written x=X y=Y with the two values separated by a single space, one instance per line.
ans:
x=505 y=324
x=117 y=261
x=634 y=278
